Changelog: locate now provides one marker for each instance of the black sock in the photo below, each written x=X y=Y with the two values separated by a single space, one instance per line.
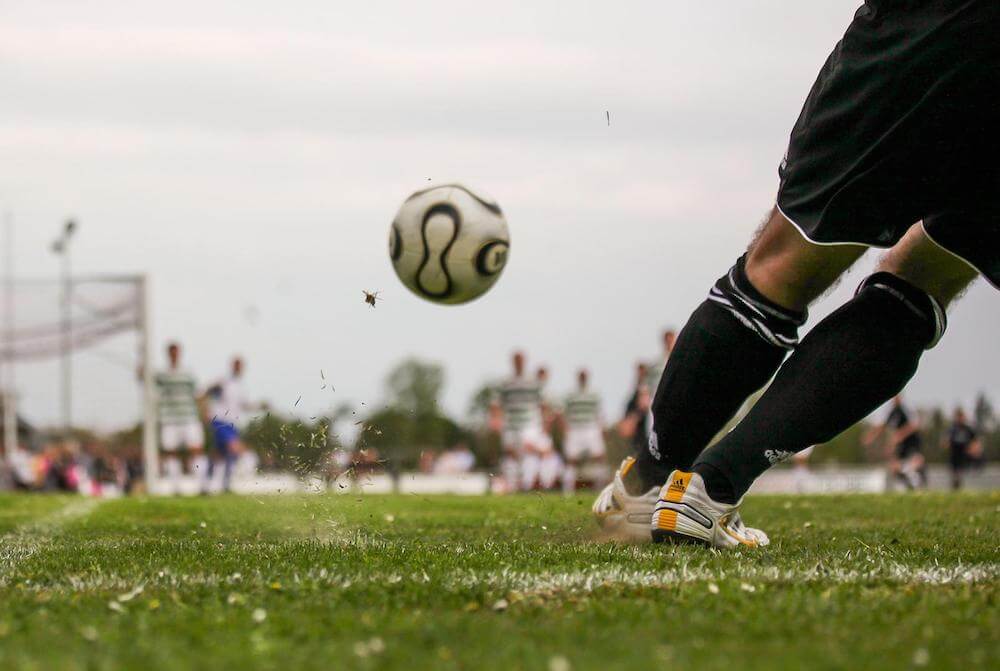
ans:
x=729 y=348
x=849 y=364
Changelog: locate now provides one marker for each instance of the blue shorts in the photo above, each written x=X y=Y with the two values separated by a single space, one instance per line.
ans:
x=225 y=433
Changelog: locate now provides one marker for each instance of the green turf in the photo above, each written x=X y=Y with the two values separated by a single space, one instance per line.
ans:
x=414 y=582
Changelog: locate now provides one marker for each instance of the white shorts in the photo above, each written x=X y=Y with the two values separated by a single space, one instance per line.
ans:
x=582 y=442
x=540 y=470
x=175 y=436
x=515 y=441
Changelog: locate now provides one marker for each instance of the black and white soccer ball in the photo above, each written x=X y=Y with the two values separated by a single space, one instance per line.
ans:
x=449 y=244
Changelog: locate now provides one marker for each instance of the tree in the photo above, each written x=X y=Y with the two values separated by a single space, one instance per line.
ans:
x=414 y=386
x=983 y=414
x=411 y=421
x=479 y=404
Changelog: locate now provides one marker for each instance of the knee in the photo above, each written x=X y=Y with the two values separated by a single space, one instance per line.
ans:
x=916 y=301
x=789 y=269
x=738 y=295
x=922 y=263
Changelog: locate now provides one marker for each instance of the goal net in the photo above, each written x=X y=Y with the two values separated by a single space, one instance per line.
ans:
x=89 y=335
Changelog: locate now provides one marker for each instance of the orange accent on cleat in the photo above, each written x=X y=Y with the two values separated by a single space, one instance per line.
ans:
x=678 y=485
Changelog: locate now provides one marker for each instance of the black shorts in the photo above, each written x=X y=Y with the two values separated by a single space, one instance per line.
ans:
x=902 y=126
x=907 y=449
x=958 y=458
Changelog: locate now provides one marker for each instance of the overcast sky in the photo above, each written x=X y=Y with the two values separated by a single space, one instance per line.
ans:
x=250 y=155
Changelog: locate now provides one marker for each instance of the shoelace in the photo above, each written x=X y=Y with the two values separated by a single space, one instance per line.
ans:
x=736 y=523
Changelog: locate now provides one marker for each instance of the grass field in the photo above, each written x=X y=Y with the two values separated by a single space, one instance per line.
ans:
x=335 y=582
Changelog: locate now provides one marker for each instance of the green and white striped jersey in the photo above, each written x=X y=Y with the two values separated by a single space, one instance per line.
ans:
x=175 y=397
x=583 y=408
x=654 y=371
x=521 y=402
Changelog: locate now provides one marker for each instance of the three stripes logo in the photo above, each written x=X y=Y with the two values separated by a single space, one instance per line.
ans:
x=678 y=486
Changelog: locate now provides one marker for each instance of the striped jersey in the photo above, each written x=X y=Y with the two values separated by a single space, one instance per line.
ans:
x=521 y=402
x=175 y=397
x=654 y=371
x=583 y=408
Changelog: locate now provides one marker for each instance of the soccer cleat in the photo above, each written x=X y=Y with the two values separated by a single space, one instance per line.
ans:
x=621 y=508
x=686 y=513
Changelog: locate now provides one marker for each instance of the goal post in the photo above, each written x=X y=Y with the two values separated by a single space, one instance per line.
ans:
x=47 y=318
x=150 y=451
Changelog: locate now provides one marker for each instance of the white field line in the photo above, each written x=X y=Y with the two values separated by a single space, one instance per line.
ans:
x=582 y=581
x=27 y=539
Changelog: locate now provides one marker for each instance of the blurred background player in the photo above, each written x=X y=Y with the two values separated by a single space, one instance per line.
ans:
x=541 y=467
x=456 y=460
x=634 y=425
x=227 y=405
x=655 y=368
x=584 y=443
x=180 y=424
x=963 y=445
x=517 y=414
x=906 y=458
x=624 y=507
x=550 y=409
x=802 y=474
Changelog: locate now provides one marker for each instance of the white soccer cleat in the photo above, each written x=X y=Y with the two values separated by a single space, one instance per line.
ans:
x=686 y=513
x=621 y=512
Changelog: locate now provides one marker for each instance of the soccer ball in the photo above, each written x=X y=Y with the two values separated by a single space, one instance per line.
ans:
x=448 y=244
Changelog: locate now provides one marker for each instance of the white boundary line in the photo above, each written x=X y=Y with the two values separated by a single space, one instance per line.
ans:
x=582 y=581
x=27 y=539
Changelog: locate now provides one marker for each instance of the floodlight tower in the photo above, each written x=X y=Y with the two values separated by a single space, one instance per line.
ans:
x=61 y=246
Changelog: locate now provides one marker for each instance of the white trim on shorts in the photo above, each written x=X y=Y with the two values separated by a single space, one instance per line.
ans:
x=823 y=244
x=958 y=256
x=923 y=227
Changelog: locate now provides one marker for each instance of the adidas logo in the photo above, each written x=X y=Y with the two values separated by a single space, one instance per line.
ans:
x=677 y=485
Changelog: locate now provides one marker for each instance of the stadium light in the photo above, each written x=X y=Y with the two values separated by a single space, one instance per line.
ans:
x=61 y=247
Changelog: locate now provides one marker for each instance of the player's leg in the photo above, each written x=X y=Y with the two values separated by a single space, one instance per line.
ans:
x=897 y=472
x=234 y=449
x=902 y=472
x=597 y=457
x=227 y=440
x=801 y=473
x=848 y=365
x=919 y=465
x=735 y=340
x=549 y=467
x=171 y=441
x=570 y=475
x=574 y=450
x=194 y=437
x=570 y=455
x=956 y=463
x=510 y=462
x=530 y=467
